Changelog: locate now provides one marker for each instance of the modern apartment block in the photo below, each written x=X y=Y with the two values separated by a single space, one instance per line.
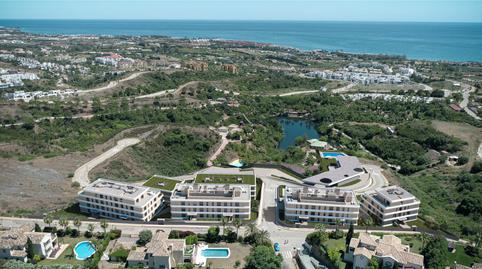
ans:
x=210 y=201
x=320 y=205
x=390 y=204
x=14 y=243
x=220 y=176
x=118 y=200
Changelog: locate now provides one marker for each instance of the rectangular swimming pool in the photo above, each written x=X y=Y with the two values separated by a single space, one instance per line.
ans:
x=215 y=252
x=332 y=154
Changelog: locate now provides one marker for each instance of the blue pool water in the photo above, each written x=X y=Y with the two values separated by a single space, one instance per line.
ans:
x=332 y=154
x=84 y=250
x=237 y=163
x=215 y=252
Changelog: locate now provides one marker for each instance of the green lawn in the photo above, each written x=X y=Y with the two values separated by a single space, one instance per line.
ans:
x=161 y=183
x=225 y=179
x=325 y=163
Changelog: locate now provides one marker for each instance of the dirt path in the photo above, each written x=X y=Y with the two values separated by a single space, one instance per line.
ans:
x=343 y=89
x=173 y=91
x=224 y=143
x=112 y=84
x=81 y=175
x=298 y=92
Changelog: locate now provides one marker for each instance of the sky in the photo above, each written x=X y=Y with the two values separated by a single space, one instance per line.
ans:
x=323 y=10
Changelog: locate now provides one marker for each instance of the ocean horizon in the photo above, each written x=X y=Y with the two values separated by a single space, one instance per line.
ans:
x=445 y=41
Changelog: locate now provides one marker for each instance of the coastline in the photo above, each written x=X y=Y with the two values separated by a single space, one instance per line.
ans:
x=430 y=42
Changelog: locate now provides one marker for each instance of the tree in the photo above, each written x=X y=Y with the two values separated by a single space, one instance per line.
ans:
x=213 y=234
x=48 y=220
x=30 y=250
x=349 y=235
x=436 y=252
x=424 y=237
x=64 y=223
x=224 y=221
x=373 y=264
x=37 y=228
x=90 y=228
x=104 y=225
x=145 y=237
x=261 y=238
x=237 y=224
x=237 y=263
x=335 y=257
x=77 y=223
x=463 y=160
x=263 y=257
x=318 y=237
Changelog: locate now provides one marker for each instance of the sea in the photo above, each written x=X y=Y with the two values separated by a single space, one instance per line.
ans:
x=415 y=40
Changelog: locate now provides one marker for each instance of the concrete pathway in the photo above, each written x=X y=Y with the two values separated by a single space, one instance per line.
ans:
x=81 y=175
x=224 y=143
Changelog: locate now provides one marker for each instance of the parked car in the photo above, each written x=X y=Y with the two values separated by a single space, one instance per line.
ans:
x=277 y=247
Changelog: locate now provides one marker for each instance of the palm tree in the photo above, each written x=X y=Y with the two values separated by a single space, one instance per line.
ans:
x=424 y=237
x=237 y=223
x=104 y=225
x=251 y=229
x=48 y=220
x=90 y=228
x=64 y=223
x=224 y=221
x=77 y=223
x=262 y=237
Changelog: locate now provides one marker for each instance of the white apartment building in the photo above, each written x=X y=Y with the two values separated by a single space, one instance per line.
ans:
x=13 y=243
x=221 y=175
x=118 y=200
x=210 y=201
x=390 y=204
x=320 y=205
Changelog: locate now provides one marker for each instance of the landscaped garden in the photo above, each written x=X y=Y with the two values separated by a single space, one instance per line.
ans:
x=225 y=179
x=161 y=183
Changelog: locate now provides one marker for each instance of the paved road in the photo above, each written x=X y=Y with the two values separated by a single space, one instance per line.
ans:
x=81 y=175
x=112 y=84
x=466 y=91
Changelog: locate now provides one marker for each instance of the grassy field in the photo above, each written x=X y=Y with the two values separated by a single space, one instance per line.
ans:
x=224 y=179
x=325 y=163
x=237 y=253
x=161 y=183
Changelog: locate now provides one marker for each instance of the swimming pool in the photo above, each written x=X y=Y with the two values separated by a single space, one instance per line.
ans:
x=332 y=154
x=215 y=253
x=237 y=163
x=84 y=250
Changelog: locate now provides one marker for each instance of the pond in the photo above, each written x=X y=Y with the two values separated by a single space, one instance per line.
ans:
x=292 y=128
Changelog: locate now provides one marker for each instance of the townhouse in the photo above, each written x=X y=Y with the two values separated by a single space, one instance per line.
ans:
x=14 y=243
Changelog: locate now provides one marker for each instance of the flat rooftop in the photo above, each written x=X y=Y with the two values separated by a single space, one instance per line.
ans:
x=393 y=193
x=347 y=167
x=211 y=192
x=320 y=195
x=220 y=175
x=119 y=189
x=157 y=182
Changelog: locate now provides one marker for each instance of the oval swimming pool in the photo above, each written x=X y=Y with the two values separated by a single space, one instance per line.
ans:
x=84 y=250
x=215 y=252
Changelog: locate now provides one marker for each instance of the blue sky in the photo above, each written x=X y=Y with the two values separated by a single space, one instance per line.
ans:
x=332 y=10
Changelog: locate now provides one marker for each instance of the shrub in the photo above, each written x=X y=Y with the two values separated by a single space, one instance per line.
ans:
x=74 y=233
x=476 y=168
x=463 y=160
x=119 y=254
x=174 y=234
x=114 y=234
x=145 y=237
x=60 y=233
x=191 y=239
x=88 y=234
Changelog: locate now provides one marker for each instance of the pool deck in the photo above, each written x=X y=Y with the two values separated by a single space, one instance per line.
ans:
x=199 y=259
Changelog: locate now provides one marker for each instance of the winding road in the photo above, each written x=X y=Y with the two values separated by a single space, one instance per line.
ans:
x=112 y=84
x=81 y=175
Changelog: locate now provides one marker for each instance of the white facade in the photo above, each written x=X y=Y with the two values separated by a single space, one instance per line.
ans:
x=210 y=201
x=390 y=204
x=321 y=205
x=117 y=200
x=14 y=243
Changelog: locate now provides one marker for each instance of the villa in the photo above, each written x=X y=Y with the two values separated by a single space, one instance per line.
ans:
x=389 y=205
x=118 y=200
x=321 y=205
x=346 y=170
x=317 y=144
x=388 y=250
x=160 y=253
x=212 y=201
x=14 y=243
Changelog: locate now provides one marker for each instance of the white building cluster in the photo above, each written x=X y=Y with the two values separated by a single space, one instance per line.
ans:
x=115 y=60
x=29 y=96
x=360 y=78
x=8 y=80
